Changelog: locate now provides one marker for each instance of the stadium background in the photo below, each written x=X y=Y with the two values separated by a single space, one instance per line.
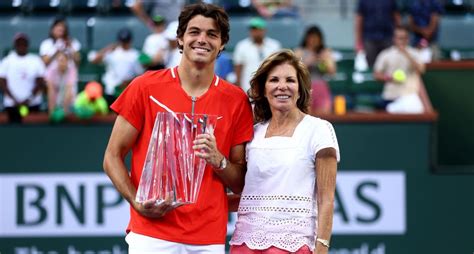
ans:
x=405 y=183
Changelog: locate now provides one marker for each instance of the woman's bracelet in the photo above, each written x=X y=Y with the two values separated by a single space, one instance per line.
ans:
x=324 y=242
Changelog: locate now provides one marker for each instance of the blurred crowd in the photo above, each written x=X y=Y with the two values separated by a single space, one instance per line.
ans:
x=395 y=51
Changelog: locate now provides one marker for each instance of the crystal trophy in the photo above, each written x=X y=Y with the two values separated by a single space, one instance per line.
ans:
x=171 y=169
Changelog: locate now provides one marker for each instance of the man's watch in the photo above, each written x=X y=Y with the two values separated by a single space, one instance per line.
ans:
x=223 y=164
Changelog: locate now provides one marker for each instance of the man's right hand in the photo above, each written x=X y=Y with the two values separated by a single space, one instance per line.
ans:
x=151 y=209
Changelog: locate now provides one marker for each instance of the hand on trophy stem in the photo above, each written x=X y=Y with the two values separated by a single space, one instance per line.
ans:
x=205 y=147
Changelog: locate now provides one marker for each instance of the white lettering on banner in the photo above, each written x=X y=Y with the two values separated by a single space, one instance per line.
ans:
x=87 y=204
x=367 y=202
x=116 y=249
x=62 y=204
x=364 y=249
x=370 y=202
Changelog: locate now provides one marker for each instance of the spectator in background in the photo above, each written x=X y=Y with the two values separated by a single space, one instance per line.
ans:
x=320 y=62
x=21 y=80
x=251 y=51
x=61 y=79
x=173 y=56
x=423 y=19
x=224 y=67
x=374 y=23
x=60 y=40
x=156 y=45
x=121 y=64
x=400 y=67
x=146 y=9
x=275 y=8
x=90 y=101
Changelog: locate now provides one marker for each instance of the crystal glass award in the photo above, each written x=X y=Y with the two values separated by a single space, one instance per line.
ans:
x=171 y=169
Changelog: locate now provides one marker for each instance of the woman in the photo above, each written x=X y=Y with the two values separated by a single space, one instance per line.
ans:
x=61 y=78
x=59 y=40
x=291 y=154
x=320 y=63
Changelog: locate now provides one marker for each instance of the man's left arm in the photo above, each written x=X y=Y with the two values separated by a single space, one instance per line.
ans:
x=233 y=174
x=231 y=170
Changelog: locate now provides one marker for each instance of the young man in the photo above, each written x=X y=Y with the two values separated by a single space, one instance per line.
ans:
x=200 y=227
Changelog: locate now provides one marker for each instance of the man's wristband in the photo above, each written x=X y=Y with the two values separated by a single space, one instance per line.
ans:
x=324 y=242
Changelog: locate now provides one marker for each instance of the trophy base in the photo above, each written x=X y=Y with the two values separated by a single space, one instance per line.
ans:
x=174 y=204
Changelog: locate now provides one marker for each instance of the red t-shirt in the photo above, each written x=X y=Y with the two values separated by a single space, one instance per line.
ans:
x=205 y=221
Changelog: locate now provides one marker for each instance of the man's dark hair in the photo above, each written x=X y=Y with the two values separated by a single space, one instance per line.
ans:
x=209 y=11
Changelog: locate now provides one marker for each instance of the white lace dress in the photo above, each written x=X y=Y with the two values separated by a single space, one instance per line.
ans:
x=278 y=207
